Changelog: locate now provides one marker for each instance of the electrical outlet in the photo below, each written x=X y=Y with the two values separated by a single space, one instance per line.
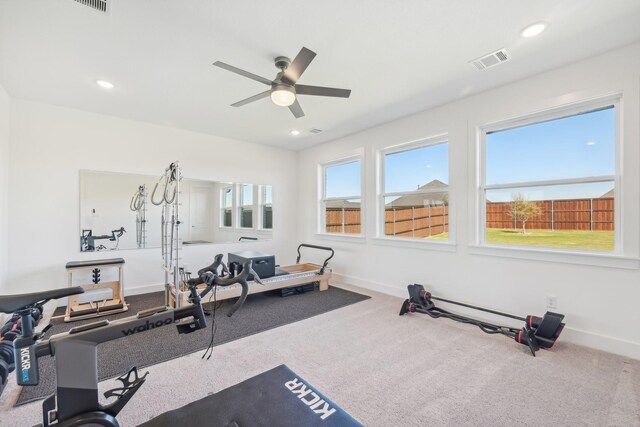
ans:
x=552 y=301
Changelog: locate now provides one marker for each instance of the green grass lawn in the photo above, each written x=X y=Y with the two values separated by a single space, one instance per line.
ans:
x=441 y=236
x=595 y=240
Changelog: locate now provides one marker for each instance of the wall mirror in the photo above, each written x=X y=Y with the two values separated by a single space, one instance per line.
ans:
x=116 y=212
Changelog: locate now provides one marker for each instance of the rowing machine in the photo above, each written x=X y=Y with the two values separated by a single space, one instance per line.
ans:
x=537 y=332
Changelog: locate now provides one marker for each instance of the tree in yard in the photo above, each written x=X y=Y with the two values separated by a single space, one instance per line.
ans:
x=521 y=209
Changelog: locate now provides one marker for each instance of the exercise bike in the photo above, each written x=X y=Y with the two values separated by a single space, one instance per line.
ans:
x=75 y=402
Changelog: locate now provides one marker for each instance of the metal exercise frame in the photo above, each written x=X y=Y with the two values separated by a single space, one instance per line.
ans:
x=170 y=232
x=138 y=205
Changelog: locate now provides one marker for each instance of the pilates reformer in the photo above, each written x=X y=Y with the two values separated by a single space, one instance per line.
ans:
x=288 y=277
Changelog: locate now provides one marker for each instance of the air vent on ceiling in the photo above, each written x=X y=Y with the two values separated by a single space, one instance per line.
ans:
x=99 y=5
x=315 y=130
x=492 y=59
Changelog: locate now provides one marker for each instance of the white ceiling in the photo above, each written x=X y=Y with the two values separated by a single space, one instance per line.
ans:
x=398 y=57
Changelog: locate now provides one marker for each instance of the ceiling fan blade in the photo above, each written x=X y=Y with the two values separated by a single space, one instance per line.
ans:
x=296 y=109
x=243 y=73
x=264 y=94
x=297 y=67
x=322 y=91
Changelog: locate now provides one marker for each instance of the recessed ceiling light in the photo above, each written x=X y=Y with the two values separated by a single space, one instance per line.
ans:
x=533 y=30
x=294 y=132
x=591 y=143
x=105 y=84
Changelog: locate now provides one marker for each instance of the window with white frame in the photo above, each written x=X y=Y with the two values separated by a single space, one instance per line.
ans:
x=266 y=207
x=341 y=197
x=226 y=203
x=414 y=195
x=245 y=206
x=550 y=180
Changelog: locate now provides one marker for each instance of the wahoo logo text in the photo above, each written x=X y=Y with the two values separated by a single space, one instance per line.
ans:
x=148 y=325
x=313 y=401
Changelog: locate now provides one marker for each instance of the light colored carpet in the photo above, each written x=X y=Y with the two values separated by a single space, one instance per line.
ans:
x=387 y=370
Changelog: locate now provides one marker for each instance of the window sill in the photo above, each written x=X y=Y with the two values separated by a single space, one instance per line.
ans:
x=443 y=245
x=355 y=238
x=560 y=256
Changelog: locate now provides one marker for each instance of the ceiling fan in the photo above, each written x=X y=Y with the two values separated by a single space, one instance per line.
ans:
x=284 y=88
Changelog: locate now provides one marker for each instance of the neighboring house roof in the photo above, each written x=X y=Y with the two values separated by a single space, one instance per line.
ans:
x=339 y=204
x=423 y=199
x=608 y=194
x=404 y=201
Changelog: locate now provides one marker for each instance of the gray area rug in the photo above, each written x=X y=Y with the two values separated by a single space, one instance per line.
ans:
x=259 y=313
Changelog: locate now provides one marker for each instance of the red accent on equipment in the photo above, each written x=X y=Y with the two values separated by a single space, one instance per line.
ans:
x=531 y=321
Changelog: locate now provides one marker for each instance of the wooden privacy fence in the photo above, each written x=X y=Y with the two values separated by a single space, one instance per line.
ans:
x=411 y=221
x=574 y=214
x=343 y=220
x=416 y=221
x=425 y=221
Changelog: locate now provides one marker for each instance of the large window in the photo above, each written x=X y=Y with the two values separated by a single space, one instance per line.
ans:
x=341 y=197
x=245 y=206
x=550 y=180
x=226 y=196
x=415 y=190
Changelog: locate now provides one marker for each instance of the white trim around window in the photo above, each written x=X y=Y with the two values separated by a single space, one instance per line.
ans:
x=616 y=258
x=322 y=199
x=414 y=242
x=224 y=207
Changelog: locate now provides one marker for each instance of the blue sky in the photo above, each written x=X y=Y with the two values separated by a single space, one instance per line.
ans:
x=572 y=147
x=408 y=170
x=343 y=180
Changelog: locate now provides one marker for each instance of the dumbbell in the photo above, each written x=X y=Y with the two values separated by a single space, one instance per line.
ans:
x=9 y=325
x=9 y=336
x=4 y=373
x=7 y=354
x=36 y=315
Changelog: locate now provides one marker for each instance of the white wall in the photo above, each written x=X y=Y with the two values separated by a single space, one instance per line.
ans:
x=600 y=303
x=49 y=145
x=4 y=185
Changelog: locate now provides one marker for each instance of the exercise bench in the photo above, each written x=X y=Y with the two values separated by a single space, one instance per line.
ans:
x=87 y=310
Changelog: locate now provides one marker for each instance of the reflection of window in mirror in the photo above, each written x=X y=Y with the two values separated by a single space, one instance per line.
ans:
x=246 y=206
x=227 y=206
x=266 y=207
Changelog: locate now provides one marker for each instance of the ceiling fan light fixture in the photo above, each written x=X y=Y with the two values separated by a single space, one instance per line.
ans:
x=533 y=30
x=105 y=84
x=283 y=95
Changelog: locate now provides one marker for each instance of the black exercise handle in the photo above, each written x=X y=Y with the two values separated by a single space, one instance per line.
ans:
x=217 y=263
x=242 y=279
x=324 y=248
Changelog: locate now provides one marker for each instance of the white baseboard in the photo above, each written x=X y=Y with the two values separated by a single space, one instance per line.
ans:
x=576 y=336
x=602 y=342
x=373 y=286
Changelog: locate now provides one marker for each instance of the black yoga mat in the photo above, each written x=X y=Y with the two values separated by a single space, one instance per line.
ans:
x=260 y=312
x=278 y=397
